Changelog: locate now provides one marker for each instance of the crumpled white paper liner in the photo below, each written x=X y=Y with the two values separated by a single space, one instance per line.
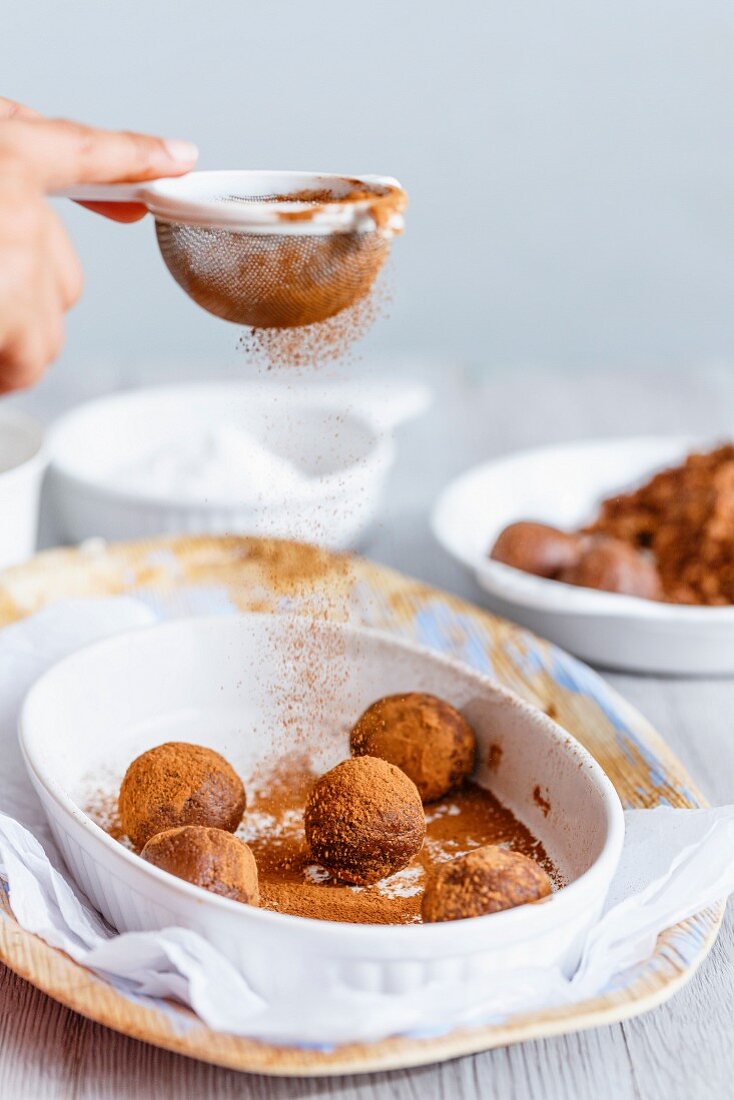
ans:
x=674 y=863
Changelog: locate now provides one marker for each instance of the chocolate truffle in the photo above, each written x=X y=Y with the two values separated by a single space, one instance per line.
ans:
x=364 y=820
x=536 y=548
x=614 y=566
x=211 y=858
x=423 y=736
x=179 y=784
x=483 y=881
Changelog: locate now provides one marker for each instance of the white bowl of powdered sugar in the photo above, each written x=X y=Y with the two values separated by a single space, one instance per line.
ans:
x=306 y=462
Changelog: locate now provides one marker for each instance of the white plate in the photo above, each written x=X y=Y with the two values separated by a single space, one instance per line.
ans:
x=563 y=486
x=234 y=684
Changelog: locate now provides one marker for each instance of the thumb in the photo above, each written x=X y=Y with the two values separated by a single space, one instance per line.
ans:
x=60 y=153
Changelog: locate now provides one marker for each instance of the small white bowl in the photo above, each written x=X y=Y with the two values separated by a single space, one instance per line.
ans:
x=341 y=442
x=564 y=486
x=230 y=683
x=22 y=463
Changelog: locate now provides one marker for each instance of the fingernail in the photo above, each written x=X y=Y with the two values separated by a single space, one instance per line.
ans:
x=183 y=152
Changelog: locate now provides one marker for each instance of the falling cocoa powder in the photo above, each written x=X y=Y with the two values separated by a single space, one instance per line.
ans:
x=316 y=345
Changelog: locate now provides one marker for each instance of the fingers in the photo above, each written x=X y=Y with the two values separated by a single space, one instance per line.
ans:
x=63 y=263
x=60 y=153
x=29 y=348
x=36 y=338
x=40 y=279
x=40 y=276
x=118 y=211
x=10 y=109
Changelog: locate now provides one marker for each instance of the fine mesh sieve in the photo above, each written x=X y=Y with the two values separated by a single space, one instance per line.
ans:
x=269 y=249
x=271 y=280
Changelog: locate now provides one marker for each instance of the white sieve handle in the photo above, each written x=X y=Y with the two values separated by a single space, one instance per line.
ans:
x=103 y=192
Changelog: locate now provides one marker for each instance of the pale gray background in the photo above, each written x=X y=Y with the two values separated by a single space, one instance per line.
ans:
x=571 y=169
x=570 y=164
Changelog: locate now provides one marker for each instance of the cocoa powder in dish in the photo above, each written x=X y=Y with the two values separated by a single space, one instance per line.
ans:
x=290 y=881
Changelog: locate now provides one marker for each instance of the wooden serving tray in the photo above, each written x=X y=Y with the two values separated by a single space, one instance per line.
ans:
x=194 y=575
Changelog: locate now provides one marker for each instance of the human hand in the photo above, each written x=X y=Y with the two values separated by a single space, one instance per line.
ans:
x=40 y=273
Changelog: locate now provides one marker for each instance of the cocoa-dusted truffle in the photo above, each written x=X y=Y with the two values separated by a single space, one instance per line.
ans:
x=423 y=736
x=211 y=858
x=364 y=820
x=536 y=548
x=483 y=881
x=179 y=784
x=614 y=566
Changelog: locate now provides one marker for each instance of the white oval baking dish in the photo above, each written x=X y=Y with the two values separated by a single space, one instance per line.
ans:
x=563 y=485
x=254 y=686
x=339 y=438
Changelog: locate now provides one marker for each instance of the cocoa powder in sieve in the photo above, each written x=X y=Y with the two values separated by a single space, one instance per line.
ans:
x=383 y=202
x=331 y=299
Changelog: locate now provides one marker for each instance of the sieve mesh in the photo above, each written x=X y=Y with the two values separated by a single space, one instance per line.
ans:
x=272 y=280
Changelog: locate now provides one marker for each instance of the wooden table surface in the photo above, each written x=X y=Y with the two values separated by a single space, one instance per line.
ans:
x=683 y=1049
